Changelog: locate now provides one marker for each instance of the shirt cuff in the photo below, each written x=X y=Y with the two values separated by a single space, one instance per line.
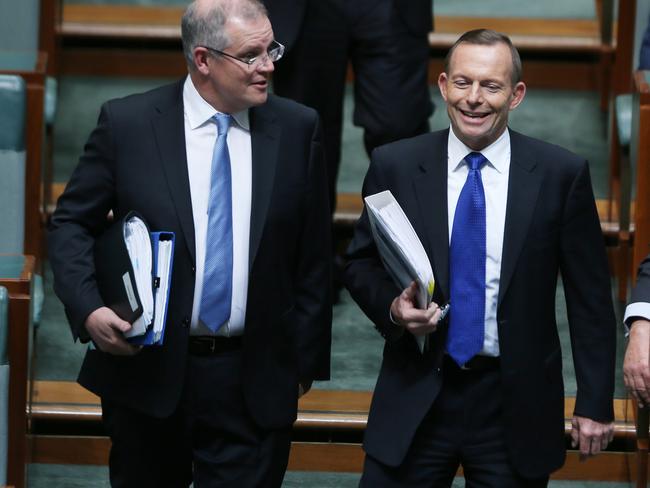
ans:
x=635 y=310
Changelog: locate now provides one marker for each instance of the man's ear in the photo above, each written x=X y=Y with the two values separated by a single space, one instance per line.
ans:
x=518 y=95
x=201 y=55
x=442 y=85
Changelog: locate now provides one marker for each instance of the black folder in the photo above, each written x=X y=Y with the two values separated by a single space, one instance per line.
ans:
x=115 y=276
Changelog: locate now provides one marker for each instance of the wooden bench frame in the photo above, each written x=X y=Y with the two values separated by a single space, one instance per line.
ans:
x=327 y=433
x=19 y=348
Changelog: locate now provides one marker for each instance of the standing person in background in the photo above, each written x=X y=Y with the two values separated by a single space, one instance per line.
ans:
x=239 y=177
x=385 y=41
x=500 y=215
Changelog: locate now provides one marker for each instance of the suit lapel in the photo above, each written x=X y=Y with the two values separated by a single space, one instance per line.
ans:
x=265 y=135
x=430 y=186
x=523 y=189
x=169 y=131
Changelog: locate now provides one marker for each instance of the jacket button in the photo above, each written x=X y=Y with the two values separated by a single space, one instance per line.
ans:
x=186 y=322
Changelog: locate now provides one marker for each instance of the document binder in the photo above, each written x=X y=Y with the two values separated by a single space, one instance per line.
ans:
x=133 y=269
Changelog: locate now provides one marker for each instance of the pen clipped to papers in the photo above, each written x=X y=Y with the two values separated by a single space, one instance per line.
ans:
x=444 y=310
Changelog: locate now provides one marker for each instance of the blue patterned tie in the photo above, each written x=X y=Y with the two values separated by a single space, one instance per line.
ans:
x=467 y=267
x=217 y=277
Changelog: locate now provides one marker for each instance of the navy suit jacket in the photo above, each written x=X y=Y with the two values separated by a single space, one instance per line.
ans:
x=551 y=227
x=135 y=159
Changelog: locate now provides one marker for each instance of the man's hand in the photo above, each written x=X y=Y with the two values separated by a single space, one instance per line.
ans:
x=418 y=322
x=107 y=332
x=590 y=436
x=636 y=366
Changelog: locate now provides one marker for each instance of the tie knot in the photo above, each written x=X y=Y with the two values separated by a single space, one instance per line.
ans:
x=223 y=122
x=475 y=160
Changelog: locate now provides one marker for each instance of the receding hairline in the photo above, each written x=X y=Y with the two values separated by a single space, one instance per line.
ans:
x=488 y=37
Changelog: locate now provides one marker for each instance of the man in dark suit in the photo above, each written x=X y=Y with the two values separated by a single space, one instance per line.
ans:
x=386 y=43
x=487 y=391
x=636 y=365
x=216 y=402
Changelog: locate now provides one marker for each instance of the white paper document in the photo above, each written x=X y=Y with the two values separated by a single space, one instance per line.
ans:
x=138 y=244
x=400 y=248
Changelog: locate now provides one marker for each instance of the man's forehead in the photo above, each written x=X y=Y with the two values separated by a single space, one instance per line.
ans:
x=489 y=58
x=240 y=29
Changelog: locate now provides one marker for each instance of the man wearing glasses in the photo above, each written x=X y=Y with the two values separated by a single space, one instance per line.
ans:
x=238 y=176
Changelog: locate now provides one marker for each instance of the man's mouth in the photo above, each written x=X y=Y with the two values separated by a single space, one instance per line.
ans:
x=474 y=115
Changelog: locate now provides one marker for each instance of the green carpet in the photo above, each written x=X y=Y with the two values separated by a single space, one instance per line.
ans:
x=72 y=476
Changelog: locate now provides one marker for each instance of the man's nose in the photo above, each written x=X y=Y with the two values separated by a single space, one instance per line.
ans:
x=474 y=96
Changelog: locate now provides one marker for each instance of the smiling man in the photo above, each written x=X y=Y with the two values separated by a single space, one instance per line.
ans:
x=238 y=175
x=500 y=215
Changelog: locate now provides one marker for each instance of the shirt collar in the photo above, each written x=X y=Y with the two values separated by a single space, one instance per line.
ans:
x=198 y=111
x=497 y=153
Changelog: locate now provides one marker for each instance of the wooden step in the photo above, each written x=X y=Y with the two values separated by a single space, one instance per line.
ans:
x=323 y=416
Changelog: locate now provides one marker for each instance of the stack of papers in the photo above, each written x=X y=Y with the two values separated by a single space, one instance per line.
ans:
x=400 y=248
x=138 y=244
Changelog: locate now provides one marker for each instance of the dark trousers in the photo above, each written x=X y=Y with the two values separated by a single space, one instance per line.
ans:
x=390 y=65
x=464 y=427
x=210 y=440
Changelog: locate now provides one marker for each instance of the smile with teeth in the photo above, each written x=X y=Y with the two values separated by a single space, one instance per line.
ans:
x=474 y=115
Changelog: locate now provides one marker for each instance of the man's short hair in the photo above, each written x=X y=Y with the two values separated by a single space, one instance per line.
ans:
x=201 y=27
x=487 y=37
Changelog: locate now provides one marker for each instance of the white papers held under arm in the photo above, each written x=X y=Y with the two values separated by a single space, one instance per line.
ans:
x=400 y=248
x=138 y=244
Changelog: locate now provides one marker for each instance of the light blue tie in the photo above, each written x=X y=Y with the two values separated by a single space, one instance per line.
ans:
x=467 y=267
x=217 y=278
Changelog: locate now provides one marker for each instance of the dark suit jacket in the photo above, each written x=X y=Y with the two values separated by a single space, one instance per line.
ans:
x=641 y=290
x=287 y=17
x=551 y=225
x=135 y=159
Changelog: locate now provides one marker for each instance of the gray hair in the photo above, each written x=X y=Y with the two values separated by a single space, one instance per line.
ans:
x=487 y=37
x=200 y=27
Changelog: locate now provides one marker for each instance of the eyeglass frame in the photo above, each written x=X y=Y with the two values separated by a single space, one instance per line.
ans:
x=250 y=62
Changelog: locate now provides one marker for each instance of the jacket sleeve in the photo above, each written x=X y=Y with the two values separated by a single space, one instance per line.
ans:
x=80 y=216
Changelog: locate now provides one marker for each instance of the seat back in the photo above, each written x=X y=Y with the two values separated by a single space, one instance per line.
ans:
x=19 y=25
x=4 y=383
x=12 y=163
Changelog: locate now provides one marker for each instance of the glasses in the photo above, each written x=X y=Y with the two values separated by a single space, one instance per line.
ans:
x=273 y=54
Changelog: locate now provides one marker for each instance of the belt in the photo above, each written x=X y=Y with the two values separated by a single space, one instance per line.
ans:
x=477 y=363
x=209 y=345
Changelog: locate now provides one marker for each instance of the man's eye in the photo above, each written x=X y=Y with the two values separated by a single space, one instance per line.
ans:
x=461 y=83
x=249 y=58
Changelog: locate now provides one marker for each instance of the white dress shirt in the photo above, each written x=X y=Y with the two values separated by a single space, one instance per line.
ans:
x=495 y=174
x=200 y=138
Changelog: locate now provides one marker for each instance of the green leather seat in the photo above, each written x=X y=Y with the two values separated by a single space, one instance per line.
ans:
x=13 y=111
x=12 y=163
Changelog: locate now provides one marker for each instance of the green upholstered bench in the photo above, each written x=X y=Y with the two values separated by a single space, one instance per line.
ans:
x=13 y=112
x=13 y=100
